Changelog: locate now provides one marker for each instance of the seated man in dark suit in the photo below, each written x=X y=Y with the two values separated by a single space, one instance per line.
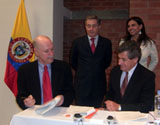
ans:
x=45 y=78
x=131 y=86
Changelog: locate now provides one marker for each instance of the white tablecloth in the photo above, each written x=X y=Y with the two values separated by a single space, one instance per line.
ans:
x=58 y=116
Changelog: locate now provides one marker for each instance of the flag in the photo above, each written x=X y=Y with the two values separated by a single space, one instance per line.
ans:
x=20 y=48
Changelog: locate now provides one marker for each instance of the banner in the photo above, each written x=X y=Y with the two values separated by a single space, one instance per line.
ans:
x=20 y=48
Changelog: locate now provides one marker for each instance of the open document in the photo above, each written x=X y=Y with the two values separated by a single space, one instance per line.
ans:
x=42 y=109
x=120 y=117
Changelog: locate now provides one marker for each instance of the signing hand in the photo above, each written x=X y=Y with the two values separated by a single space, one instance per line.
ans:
x=29 y=101
x=61 y=100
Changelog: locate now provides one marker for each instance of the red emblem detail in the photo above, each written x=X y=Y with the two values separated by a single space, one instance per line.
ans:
x=21 y=49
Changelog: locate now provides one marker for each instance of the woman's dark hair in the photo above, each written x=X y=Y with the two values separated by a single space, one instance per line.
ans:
x=143 y=37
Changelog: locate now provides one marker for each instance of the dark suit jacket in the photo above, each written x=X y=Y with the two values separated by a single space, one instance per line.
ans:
x=90 y=68
x=29 y=82
x=139 y=94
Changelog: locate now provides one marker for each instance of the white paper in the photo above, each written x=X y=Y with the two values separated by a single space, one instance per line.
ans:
x=42 y=109
x=130 y=116
x=121 y=117
x=83 y=110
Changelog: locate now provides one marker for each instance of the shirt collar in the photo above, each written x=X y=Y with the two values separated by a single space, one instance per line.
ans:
x=130 y=72
x=41 y=66
x=96 y=37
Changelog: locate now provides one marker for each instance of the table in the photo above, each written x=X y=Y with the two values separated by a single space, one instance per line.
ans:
x=59 y=116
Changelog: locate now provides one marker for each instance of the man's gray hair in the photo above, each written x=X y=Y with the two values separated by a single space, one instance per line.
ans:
x=132 y=48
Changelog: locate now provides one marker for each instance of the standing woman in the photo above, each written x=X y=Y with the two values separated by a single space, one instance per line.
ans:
x=135 y=30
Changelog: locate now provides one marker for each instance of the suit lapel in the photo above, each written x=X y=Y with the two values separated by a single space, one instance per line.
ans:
x=53 y=75
x=36 y=82
x=100 y=45
x=118 y=81
x=87 y=45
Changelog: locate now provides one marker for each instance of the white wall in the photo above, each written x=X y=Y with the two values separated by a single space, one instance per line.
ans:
x=8 y=10
x=40 y=17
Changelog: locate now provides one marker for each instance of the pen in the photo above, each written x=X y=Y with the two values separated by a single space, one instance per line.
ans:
x=22 y=97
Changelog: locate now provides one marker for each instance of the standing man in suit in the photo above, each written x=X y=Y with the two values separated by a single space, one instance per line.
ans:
x=90 y=57
x=31 y=80
x=137 y=93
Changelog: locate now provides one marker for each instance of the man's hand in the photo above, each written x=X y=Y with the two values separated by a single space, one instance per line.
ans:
x=61 y=100
x=111 y=106
x=29 y=101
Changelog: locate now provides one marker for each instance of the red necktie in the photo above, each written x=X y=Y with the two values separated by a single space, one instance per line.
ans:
x=124 y=84
x=47 y=89
x=93 y=45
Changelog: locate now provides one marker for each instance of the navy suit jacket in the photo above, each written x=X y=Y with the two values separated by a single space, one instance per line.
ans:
x=90 y=68
x=139 y=94
x=29 y=82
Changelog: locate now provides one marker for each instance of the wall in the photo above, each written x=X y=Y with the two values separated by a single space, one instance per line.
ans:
x=95 y=4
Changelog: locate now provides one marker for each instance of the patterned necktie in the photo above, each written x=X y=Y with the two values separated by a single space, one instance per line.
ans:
x=47 y=89
x=93 y=45
x=124 y=84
